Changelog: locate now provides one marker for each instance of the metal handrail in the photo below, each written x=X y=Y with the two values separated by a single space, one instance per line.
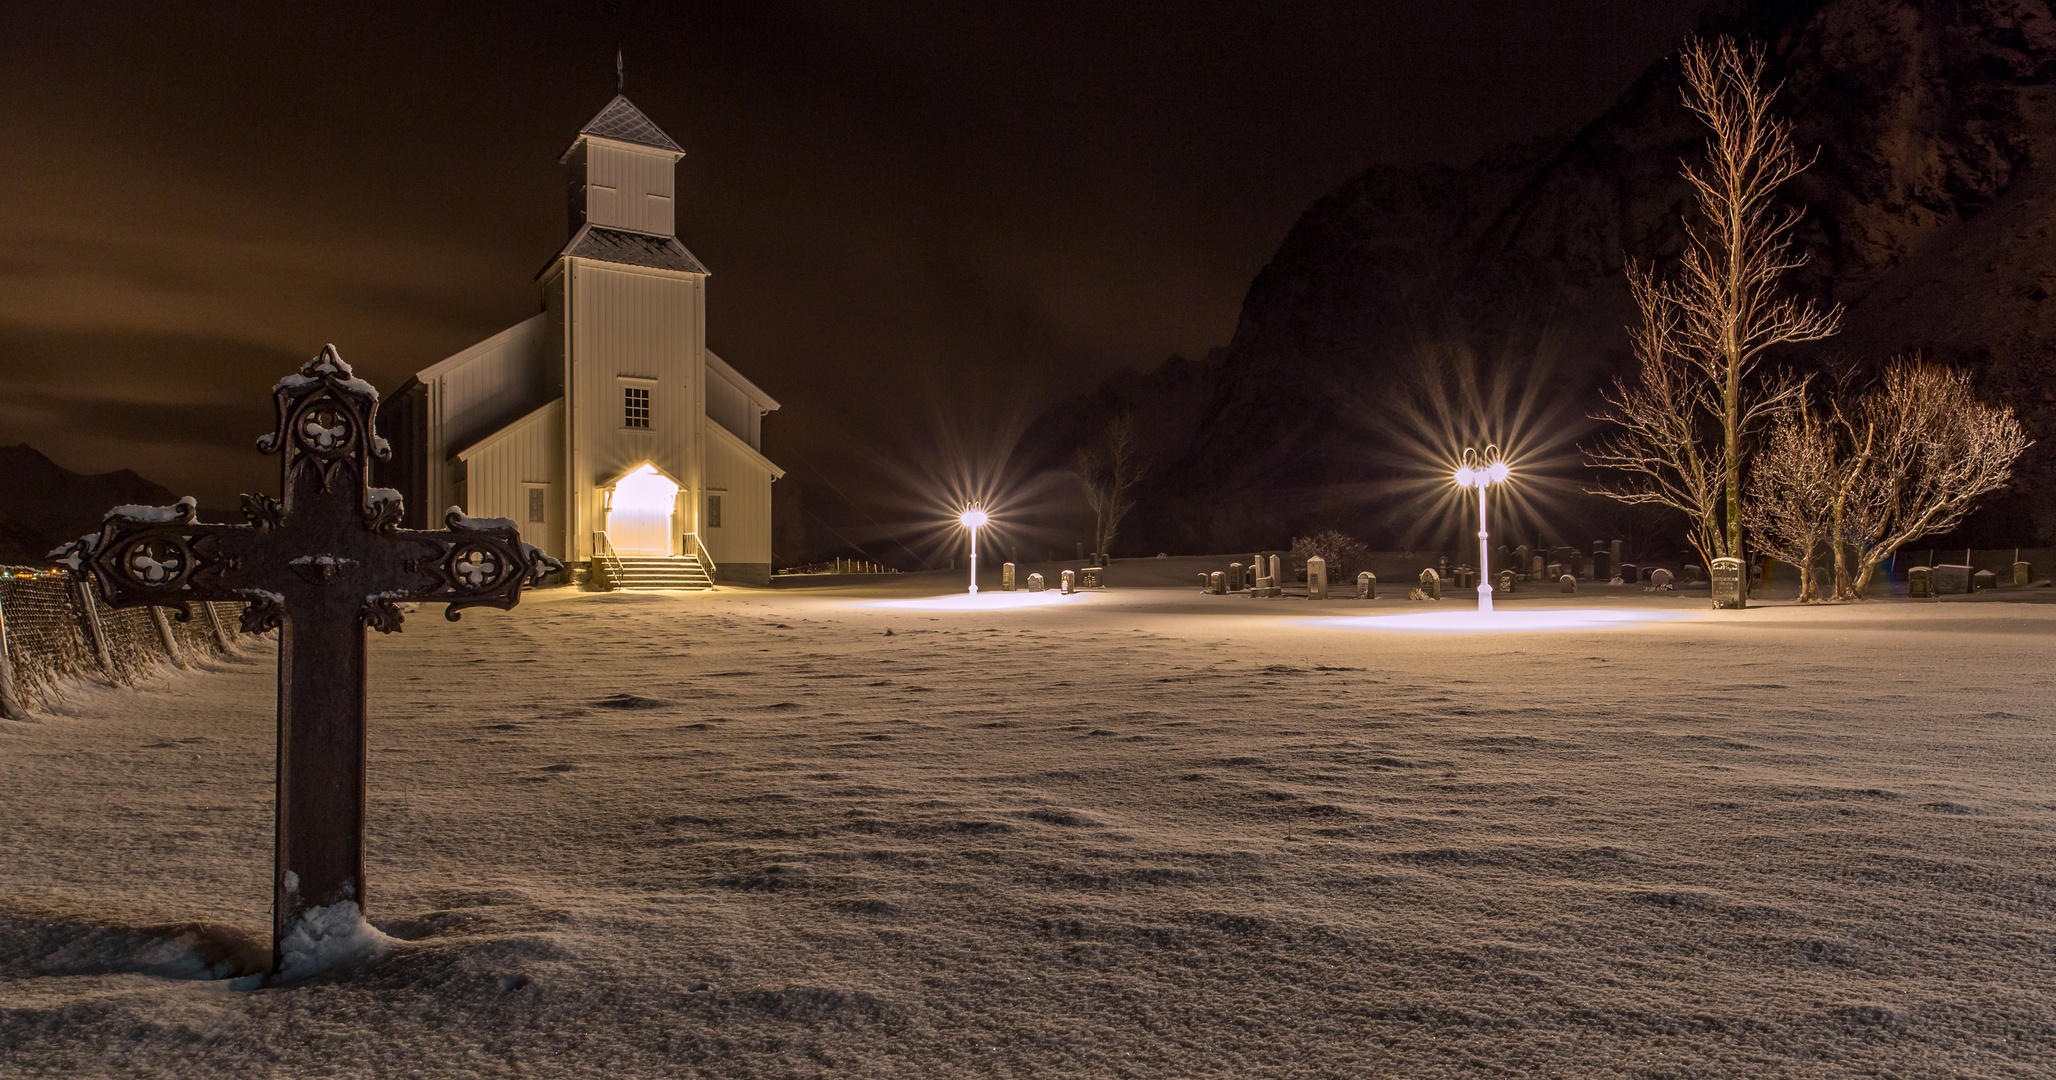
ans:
x=603 y=550
x=705 y=555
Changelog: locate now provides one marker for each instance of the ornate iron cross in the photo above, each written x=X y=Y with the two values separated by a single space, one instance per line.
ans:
x=320 y=564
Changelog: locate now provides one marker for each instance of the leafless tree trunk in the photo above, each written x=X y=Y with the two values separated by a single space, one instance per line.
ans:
x=1108 y=468
x=1704 y=331
x=1934 y=450
x=1793 y=484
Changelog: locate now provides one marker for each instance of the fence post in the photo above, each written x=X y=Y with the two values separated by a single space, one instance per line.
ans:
x=82 y=594
x=171 y=648
x=10 y=705
x=220 y=631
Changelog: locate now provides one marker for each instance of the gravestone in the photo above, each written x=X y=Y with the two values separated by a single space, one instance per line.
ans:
x=1035 y=583
x=1081 y=550
x=1630 y=573
x=1006 y=577
x=1659 y=578
x=1920 y=583
x=1951 y=579
x=1613 y=551
x=1234 y=577
x=1534 y=565
x=321 y=563
x=1316 y=578
x=1729 y=590
x=1693 y=573
x=1217 y=580
x=1520 y=558
x=1070 y=582
x=1367 y=586
x=1506 y=580
x=2023 y=573
x=1277 y=577
x=1602 y=564
x=1092 y=577
x=1567 y=583
x=1983 y=579
x=1205 y=582
x=1554 y=570
x=1431 y=584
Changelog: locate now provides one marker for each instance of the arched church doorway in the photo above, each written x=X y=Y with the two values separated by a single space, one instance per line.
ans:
x=639 y=510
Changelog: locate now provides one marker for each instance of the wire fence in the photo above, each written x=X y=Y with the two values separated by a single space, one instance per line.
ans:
x=55 y=632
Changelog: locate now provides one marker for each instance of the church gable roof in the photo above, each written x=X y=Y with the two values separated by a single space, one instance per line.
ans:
x=602 y=244
x=623 y=122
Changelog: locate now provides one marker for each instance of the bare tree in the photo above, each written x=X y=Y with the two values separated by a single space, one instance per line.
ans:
x=1794 y=484
x=1108 y=467
x=1928 y=450
x=1704 y=331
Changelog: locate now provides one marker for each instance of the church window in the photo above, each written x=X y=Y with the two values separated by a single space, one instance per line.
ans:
x=713 y=511
x=635 y=409
x=536 y=504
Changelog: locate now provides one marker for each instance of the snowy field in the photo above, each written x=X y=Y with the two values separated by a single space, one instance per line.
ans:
x=1143 y=833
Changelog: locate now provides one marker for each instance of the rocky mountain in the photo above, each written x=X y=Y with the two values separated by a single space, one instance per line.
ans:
x=1417 y=310
x=43 y=505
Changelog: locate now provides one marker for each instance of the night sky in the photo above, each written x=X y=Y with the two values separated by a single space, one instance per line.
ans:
x=916 y=214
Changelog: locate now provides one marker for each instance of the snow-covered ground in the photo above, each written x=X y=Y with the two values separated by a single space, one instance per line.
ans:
x=1139 y=833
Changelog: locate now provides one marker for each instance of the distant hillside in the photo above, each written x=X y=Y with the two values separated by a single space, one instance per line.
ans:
x=43 y=505
x=1410 y=302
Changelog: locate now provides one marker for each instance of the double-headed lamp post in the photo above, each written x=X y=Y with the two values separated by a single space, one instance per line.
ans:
x=1481 y=473
x=973 y=519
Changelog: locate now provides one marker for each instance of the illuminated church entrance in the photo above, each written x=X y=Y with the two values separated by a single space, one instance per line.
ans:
x=639 y=512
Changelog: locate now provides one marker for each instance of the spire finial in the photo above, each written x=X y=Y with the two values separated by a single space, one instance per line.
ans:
x=620 y=72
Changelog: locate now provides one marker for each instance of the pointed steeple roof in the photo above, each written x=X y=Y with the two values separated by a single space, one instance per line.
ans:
x=623 y=122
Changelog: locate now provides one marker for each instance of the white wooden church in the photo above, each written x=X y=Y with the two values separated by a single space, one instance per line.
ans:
x=603 y=426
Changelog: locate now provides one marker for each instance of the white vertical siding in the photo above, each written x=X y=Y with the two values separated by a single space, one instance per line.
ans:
x=728 y=406
x=629 y=188
x=475 y=390
x=501 y=469
x=745 y=489
x=643 y=324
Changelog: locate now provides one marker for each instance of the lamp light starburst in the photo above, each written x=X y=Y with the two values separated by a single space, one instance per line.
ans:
x=1482 y=471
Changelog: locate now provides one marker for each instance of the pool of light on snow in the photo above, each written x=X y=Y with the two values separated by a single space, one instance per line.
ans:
x=985 y=601
x=1488 y=622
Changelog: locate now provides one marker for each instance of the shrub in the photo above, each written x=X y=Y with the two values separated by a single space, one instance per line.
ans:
x=1344 y=555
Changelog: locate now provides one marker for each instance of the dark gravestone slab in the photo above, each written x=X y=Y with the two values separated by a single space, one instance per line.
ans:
x=1728 y=588
x=2023 y=573
x=1602 y=565
x=1659 y=578
x=1920 y=583
x=1630 y=573
x=1216 y=582
x=1234 y=577
x=1952 y=580
x=1092 y=577
x=1567 y=584
x=1367 y=586
x=1983 y=579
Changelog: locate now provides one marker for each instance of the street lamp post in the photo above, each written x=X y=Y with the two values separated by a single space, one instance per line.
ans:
x=1475 y=472
x=973 y=519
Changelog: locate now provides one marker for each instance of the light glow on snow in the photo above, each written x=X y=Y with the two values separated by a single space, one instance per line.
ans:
x=991 y=601
x=1499 y=622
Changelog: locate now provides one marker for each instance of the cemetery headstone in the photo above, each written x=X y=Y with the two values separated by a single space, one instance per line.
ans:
x=1234 y=577
x=1659 y=578
x=1952 y=579
x=1520 y=558
x=1070 y=582
x=1728 y=588
x=1277 y=577
x=1613 y=551
x=1081 y=550
x=1367 y=586
x=1006 y=577
x=1091 y=577
x=1316 y=578
x=1983 y=579
x=1218 y=580
x=1431 y=584
x=1693 y=573
x=1567 y=583
x=1506 y=580
x=1555 y=570
x=322 y=563
x=1920 y=583
x=1535 y=565
x=2023 y=573
x=1035 y=583
x=1630 y=573
x=1602 y=564
x=1206 y=581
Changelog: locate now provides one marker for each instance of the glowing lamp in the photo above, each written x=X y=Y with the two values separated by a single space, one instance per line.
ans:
x=974 y=519
x=1482 y=473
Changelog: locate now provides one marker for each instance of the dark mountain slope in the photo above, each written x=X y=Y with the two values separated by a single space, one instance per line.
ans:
x=43 y=505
